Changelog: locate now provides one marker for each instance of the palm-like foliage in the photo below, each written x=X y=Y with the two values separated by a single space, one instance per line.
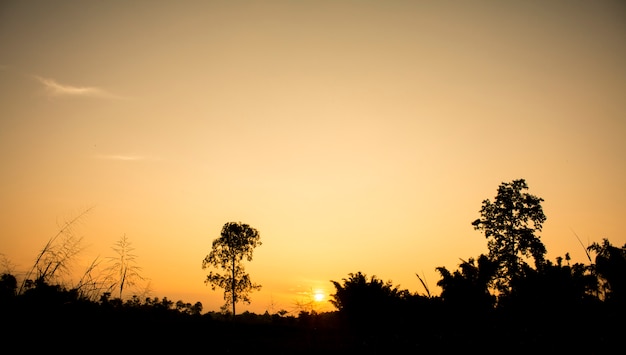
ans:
x=468 y=287
x=610 y=266
x=364 y=300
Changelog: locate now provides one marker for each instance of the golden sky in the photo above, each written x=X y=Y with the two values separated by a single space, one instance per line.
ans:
x=354 y=135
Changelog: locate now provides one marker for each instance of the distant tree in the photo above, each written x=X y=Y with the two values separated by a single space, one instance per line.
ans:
x=8 y=287
x=237 y=240
x=509 y=224
x=188 y=308
x=6 y=266
x=165 y=303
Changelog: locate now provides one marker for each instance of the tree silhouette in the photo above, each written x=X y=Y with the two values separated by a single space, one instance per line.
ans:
x=188 y=308
x=468 y=287
x=237 y=241
x=366 y=300
x=509 y=224
x=8 y=287
x=610 y=265
x=552 y=288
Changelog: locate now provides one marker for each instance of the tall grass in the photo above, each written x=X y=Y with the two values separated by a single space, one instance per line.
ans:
x=56 y=255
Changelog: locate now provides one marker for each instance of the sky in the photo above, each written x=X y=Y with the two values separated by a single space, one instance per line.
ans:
x=355 y=136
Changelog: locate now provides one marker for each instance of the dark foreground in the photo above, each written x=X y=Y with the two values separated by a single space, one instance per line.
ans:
x=73 y=329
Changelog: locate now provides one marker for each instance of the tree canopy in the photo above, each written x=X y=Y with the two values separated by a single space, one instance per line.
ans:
x=236 y=242
x=510 y=223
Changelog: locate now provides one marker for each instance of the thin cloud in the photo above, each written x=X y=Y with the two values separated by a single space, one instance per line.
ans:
x=54 y=88
x=122 y=157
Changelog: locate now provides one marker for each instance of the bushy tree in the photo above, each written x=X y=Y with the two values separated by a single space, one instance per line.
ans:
x=237 y=241
x=8 y=287
x=554 y=288
x=468 y=287
x=610 y=266
x=510 y=223
x=364 y=300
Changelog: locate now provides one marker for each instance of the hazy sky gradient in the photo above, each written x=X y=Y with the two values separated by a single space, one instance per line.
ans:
x=354 y=135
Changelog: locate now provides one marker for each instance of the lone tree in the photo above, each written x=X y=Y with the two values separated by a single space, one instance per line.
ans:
x=509 y=224
x=237 y=241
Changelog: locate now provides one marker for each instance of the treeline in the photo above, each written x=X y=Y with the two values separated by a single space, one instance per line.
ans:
x=556 y=307
x=559 y=307
x=509 y=300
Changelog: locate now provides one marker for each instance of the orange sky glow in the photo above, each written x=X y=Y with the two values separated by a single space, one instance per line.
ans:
x=354 y=135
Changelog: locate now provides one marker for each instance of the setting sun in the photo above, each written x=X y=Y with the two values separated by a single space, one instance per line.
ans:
x=318 y=296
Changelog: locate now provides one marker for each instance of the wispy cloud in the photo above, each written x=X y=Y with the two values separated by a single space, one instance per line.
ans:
x=121 y=157
x=54 y=88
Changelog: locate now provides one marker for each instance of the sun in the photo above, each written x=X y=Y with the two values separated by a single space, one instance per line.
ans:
x=318 y=295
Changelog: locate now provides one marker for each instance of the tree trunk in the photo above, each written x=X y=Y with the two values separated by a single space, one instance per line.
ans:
x=233 y=288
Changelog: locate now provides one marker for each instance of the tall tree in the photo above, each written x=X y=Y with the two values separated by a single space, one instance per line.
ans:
x=509 y=224
x=237 y=240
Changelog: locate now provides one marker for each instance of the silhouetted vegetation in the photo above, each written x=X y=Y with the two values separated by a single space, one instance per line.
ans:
x=510 y=223
x=494 y=303
x=123 y=271
x=237 y=240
